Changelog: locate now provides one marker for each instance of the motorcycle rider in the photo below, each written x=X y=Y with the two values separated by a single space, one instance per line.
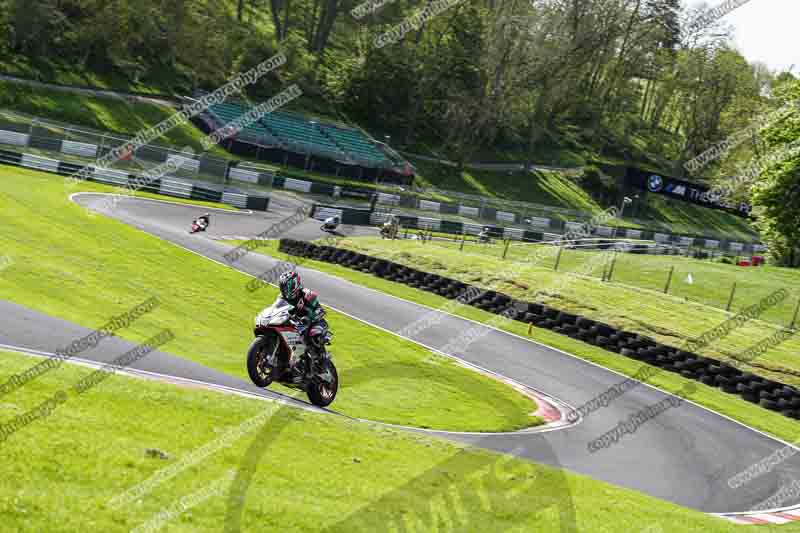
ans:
x=307 y=309
x=389 y=228
x=332 y=223
x=483 y=236
x=203 y=220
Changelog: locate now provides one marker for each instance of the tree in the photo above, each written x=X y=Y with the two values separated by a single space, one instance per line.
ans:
x=776 y=193
x=35 y=25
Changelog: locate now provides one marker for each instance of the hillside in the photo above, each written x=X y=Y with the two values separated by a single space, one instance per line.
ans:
x=468 y=85
x=555 y=189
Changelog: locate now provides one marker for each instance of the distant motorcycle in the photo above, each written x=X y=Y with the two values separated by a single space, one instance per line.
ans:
x=280 y=354
x=483 y=237
x=199 y=224
x=389 y=230
x=330 y=225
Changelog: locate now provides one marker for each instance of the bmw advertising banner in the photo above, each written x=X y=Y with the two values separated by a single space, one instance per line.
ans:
x=683 y=190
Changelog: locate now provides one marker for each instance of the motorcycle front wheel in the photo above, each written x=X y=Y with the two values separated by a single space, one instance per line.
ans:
x=261 y=372
x=322 y=392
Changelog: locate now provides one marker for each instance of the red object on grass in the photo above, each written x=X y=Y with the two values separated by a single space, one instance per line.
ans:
x=743 y=263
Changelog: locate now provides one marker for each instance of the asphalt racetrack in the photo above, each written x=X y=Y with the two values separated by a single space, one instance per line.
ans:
x=686 y=455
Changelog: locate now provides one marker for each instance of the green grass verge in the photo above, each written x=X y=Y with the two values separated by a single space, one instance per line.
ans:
x=548 y=188
x=60 y=472
x=711 y=282
x=727 y=404
x=100 y=113
x=84 y=269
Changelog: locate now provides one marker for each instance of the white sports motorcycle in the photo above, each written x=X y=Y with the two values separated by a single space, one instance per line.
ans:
x=331 y=224
x=279 y=353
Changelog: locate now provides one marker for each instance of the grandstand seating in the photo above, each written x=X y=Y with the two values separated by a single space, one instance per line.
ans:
x=295 y=132
x=228 y=112
x=300 y=132
x=356 y=143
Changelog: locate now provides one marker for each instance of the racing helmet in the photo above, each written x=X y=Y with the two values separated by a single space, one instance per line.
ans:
x=290 y=285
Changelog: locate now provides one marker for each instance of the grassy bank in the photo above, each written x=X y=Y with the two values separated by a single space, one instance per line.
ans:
x=84 y=269
x=711 y=282
x=554 y=189
x=113 y=115
x=388 y=476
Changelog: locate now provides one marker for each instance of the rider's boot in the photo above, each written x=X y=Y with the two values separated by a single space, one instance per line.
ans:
x=313 y=351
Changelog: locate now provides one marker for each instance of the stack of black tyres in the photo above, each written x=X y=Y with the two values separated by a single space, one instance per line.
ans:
x=769 y=394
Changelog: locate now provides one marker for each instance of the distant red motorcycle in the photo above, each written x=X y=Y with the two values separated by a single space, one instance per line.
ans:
x=200 y=224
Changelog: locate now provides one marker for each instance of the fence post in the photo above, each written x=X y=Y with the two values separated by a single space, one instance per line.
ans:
x=730 y=300
x=669 y=279
x=613 y=264
x=794 y=318
x=558 y=258
x=505 y=251
x=463 y=238
x=406 y=234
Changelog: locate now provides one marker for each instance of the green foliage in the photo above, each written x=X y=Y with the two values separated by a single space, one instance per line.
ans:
x=776 y=194
x=476 y=75
x=599 y=184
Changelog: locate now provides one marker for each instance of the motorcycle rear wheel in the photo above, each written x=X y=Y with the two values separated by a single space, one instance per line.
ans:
x=321 y=393
x=261 y=374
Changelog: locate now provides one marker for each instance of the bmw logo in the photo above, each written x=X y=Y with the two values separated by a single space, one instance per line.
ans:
x=655 y=183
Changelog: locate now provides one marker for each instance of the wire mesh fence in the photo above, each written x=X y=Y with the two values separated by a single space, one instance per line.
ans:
x=85 y=146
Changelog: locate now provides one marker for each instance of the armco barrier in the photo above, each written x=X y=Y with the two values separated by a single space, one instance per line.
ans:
x=508 y=217
x=350 y=216
x=165 y=186
x=769 y=394
x=661 y=246
x=243 y=172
